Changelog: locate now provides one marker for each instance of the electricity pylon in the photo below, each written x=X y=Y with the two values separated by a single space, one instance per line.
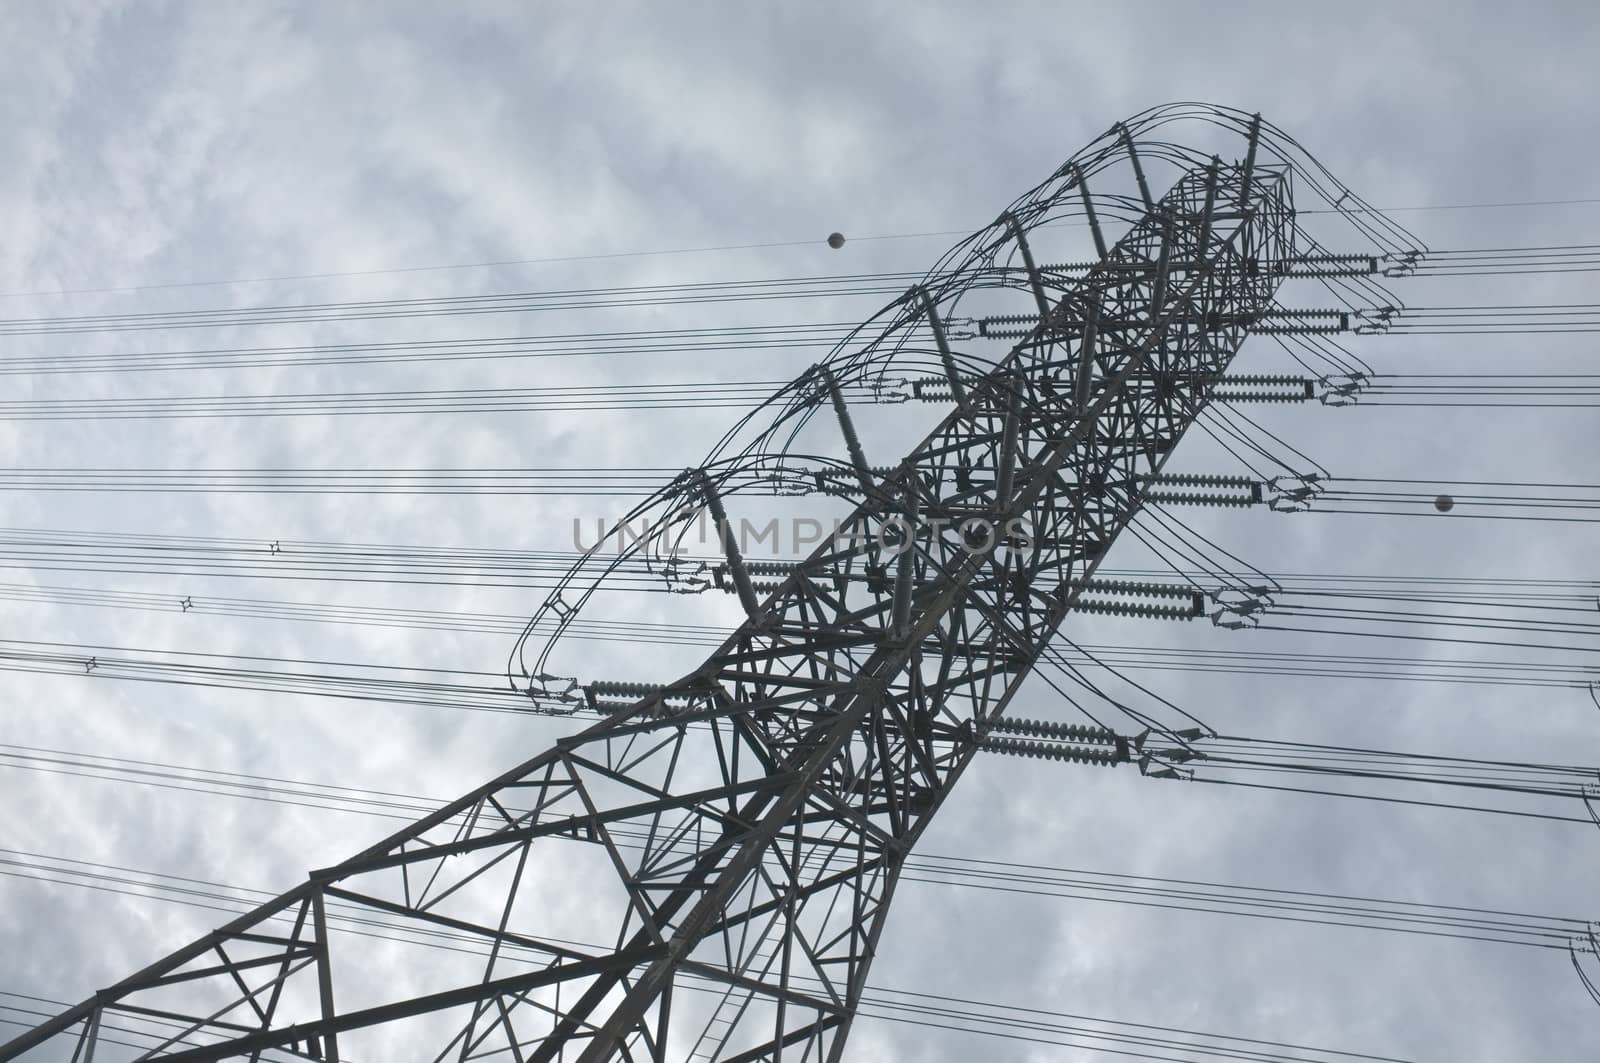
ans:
x=739 y=832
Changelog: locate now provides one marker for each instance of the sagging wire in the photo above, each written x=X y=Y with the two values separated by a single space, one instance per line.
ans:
x=1178 y=529
x=1590 y=944
x=1149 y=722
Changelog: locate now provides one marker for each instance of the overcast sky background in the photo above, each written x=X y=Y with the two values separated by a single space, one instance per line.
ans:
x=149 y=144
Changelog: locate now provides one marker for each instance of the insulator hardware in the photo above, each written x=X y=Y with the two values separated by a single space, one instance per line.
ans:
x=1279 y=322
x=1265 y=380
x=1251 y=388
x=1353 y=265
x=1224 y=395
x=845 y=481
x=931 y=389
x=1298 y=389
x=1188 y=479
x=1190 y=498
x=608 y=696
x=1133 y=588
x=1324 y=258
x=1136 y=609
x=606 y=689
x=829 y=484
x=1067 y=732
x=606 y=706
x=1021 y=747
x=1286 y=322
x=1242 y=490
x=1018 y=333
x=1195 y=599
x=986 y=323
x=1283 y=313
x=778 y=575
x=1302 y=330
x=1329 y=266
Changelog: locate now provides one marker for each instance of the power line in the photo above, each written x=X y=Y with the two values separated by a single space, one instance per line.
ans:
x=706 y=249
x=1313 y=907
x=378 y=683
x=587 y=344
x=882 y=284
x=744 y=394
x=1236 y=662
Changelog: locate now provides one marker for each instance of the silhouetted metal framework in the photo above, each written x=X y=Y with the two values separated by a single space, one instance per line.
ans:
x=745 y=825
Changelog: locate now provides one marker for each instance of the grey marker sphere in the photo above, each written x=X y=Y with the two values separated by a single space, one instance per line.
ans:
x=836 y=240
x=1444 y=503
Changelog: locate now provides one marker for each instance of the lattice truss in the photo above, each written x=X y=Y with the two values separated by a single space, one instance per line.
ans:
x=735 y=836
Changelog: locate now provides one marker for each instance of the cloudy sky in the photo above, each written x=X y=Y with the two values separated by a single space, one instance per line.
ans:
x=168 y=156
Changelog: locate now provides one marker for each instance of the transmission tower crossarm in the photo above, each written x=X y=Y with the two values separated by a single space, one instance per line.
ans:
x=958 y=390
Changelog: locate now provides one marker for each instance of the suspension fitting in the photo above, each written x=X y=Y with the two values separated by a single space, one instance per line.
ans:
x=696 y=580
x=1342 y=389
x=1164 y=764
x=1401 y=265
x=1241 y=607
x=558 y=688
x=1293 y=494
x=1376 y=320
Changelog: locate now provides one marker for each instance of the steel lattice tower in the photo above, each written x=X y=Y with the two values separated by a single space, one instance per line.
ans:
x=752 y=817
